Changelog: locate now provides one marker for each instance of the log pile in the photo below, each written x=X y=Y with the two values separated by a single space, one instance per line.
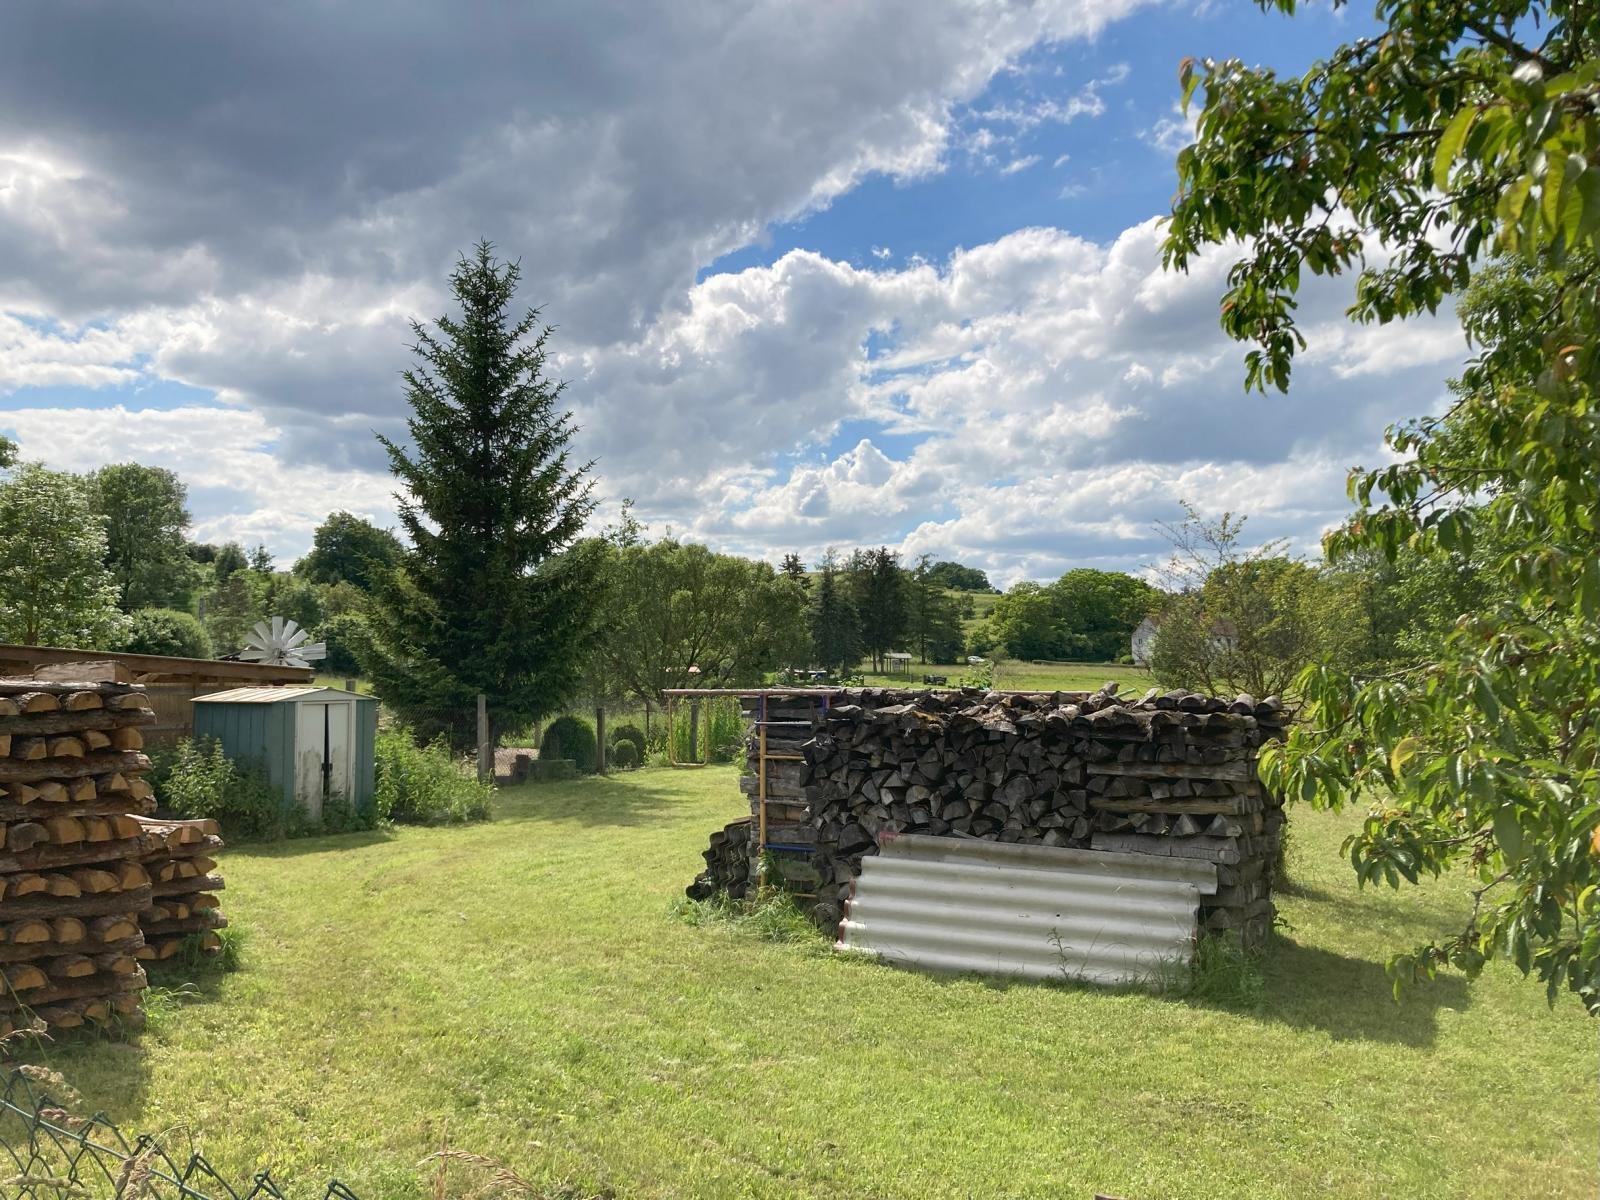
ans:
x=73 y=885
x=727 y=864
x=177 y=855
x=1172 y=773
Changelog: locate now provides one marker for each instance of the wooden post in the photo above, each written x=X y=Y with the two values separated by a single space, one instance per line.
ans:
x=485 y=751
x=600 y=738
x=694 y=729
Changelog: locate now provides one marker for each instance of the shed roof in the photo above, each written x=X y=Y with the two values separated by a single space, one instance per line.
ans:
x=277 y=695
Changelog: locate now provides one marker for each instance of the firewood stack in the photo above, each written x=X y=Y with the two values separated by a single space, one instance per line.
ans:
x=727 y=864
x=1172 y=774
x=73 y=886
x=183 y=883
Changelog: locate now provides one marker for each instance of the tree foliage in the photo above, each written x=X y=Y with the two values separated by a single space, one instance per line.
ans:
x=678 y=615
x=934 y=614
x=959 y=578
x=145 y=514
x=349 y=549
x=1464 y=130
x=54 y=586
x=835 y=627
x=493 y=596
x=1086 y=615
x=881 y=598
x=1250 y=619
x=165 y=631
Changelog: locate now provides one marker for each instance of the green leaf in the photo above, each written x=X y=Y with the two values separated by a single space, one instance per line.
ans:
x=1450 y=141
x=1508 y=833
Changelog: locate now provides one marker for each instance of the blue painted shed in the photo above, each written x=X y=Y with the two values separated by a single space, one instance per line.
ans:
x=314 y=742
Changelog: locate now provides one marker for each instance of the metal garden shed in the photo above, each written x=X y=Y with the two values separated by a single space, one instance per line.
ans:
x=314 y=742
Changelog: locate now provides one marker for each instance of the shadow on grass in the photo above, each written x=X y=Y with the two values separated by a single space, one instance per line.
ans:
x=316 y=844
x=1350 y=999
x=595 y=800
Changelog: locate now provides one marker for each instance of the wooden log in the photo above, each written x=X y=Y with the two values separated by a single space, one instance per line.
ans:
x=1238 y=771
x=104 y=762
x=25 y=685
x=65 y=746
x=68 y=930
x=81 y=701
x=127 y=738
x=99 y=984
x=29 y=749
x=35 y=702
x=94 y=882
x=23 y=977
x=96 y=739
x=82 y=791
x=114 y=928
x=82 y=906
x=214 y=883
x=12 y=723
x=27 y=932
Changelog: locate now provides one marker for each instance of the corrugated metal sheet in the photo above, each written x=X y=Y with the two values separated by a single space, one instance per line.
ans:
x=270 y=695
x=1037 y=912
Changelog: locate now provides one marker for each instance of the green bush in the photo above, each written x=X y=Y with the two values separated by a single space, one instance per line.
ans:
x=570 y=737
x=197 y=779
x=625 y=756
x=627 y=732
x=346 y=638
x=425 y=785
x=165 y=631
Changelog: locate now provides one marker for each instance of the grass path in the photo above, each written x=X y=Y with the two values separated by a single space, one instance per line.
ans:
x=520 y=988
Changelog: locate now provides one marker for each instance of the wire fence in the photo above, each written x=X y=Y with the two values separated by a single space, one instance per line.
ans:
x=47 y=1152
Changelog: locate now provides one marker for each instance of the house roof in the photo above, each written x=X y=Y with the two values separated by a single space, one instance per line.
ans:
x=276 y=695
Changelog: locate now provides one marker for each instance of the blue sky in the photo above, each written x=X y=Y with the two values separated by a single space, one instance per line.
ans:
x=823 y=275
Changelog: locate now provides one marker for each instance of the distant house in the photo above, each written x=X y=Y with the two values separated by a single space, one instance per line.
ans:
x=1223 y=637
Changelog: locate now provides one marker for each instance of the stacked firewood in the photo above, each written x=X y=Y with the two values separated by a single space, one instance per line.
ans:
x=1172 y=773
x=73 y=885
x=177 y=855
x=727 y=864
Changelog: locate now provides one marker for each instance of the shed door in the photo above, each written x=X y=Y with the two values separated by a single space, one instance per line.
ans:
x=341 y=750
x=310 y=753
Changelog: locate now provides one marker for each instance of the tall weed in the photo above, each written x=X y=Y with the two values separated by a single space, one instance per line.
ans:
x=425 y=785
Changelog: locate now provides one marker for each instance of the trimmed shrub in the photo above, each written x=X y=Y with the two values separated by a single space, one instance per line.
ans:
x=165 y=631
x=425 y=785
x=628 y=732
x=625 y=756
x=570 y=737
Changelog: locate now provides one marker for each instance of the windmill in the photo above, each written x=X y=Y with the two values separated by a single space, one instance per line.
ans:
x=281 y=644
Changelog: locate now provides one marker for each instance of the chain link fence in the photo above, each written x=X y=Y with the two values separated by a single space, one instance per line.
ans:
x=47 y=1153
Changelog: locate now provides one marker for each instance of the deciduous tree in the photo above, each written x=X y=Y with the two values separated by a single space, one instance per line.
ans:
x=144 y=510
x=1461 y=131
x=55 y=588
x=349 y=549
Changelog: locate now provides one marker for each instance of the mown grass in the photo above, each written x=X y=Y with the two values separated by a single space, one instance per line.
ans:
x=525 y=989
x=1015 y=676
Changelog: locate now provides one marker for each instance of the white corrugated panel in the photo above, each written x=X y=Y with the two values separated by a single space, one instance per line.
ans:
x=1038 y=912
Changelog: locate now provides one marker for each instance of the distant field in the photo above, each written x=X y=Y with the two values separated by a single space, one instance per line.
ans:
x=1022 y=676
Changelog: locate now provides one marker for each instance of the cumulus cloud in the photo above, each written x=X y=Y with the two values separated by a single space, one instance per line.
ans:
x=262 y=221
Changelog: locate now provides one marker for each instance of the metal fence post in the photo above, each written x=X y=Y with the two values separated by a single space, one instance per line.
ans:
x=600 y=738
x=485 y=750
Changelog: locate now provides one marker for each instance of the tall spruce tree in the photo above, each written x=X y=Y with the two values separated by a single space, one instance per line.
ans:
x=495 y=594
x=878 y=588
x=835 y=627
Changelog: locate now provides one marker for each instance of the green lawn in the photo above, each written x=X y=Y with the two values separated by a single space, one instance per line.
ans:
x=1023 y=676
x=521 y=989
